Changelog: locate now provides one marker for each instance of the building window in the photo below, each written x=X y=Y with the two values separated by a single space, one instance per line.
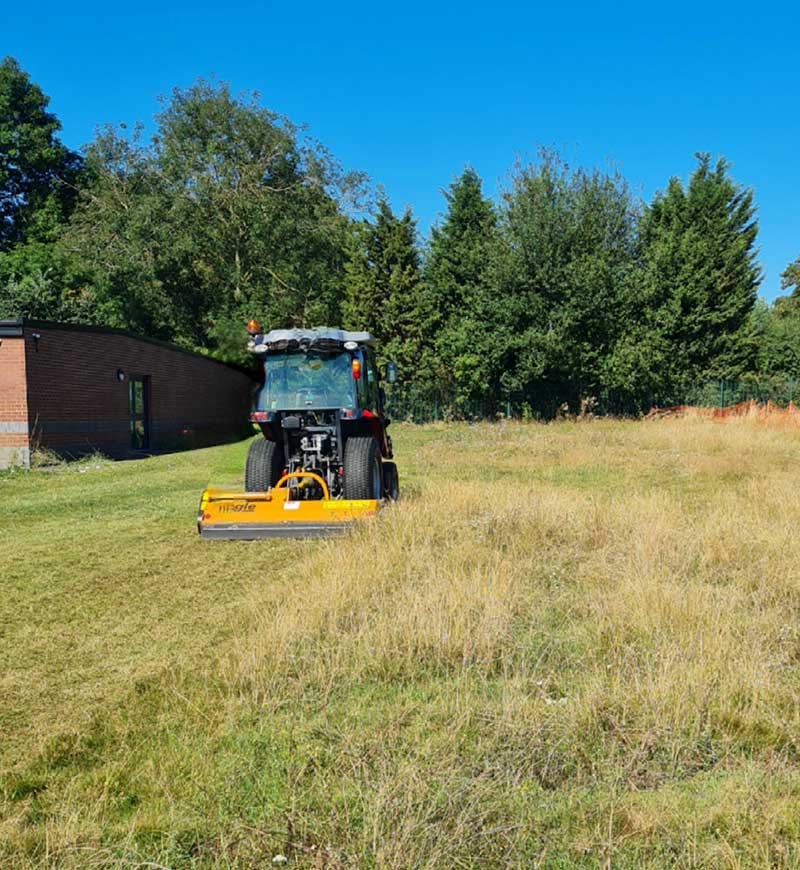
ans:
x=139 y=408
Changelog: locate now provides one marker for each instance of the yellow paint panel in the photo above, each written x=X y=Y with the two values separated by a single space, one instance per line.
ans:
x=357 y=506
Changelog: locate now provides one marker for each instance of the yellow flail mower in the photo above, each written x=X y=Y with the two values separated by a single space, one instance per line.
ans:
x=323 y=459
x=247 y=516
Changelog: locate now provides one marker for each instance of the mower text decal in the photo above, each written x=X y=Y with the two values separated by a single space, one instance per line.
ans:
x=291 y=505
x=246 y=507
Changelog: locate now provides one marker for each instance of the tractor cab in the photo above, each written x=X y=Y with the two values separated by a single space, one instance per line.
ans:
x=323 y=443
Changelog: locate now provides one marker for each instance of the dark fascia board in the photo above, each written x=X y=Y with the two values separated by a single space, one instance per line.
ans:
x=15 y=328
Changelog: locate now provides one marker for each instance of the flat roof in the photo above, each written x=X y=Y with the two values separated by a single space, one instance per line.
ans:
x=15 y=327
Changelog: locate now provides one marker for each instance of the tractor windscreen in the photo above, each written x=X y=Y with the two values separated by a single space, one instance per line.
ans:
x=297 y=380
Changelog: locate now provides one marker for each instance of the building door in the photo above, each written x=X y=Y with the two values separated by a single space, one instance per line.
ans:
x=139 y=407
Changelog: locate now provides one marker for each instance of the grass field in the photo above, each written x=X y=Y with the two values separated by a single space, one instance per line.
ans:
x=574 y=644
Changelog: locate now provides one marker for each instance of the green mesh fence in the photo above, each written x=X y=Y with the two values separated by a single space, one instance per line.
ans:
x=722 y=394
x=411 y=404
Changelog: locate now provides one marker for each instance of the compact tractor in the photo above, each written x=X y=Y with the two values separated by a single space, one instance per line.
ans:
x=323 y=458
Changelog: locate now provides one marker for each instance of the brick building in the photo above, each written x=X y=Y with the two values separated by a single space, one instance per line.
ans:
x=74 y=389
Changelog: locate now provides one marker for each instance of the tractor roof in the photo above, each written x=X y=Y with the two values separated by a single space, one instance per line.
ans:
x=320 y=336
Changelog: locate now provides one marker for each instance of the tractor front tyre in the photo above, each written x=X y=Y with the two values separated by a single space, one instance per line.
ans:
x=363 y=475
x=391 y=481
x=264 y=465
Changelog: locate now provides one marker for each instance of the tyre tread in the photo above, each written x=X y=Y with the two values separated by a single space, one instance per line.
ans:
x=359 y=459
x=263 y=466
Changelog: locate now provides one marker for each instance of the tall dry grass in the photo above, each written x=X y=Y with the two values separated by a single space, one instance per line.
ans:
x=599 y=616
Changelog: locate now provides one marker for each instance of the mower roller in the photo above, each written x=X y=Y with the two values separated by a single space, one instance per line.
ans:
x=323 y=459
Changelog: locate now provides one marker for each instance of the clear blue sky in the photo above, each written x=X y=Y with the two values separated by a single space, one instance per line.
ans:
x=411 y=92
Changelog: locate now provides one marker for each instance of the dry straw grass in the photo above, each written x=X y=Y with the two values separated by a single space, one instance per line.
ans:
x=597 y=605
x=568 y=644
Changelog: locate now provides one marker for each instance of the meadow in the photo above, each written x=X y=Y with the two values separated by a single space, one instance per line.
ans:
x=573 y=644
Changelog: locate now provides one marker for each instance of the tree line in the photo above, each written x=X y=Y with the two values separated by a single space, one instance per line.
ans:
x=567 y=290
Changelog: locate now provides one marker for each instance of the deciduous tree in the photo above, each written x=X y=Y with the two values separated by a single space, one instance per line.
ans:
x=36 y=170
x=563 y=272
x=228 y=213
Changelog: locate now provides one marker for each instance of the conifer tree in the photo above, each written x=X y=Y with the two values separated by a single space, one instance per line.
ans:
x=456 y=278
x=384 y=292
x=700 y=273
x=457 y=257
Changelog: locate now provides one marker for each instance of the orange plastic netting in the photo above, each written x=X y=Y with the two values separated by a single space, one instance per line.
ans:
x=765 y=412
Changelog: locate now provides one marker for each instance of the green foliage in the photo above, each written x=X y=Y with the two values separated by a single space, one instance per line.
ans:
x=37 y=186
x=776 y=332
x=459 y=293
x=226 y=214
x=40 y=281
x=577 y=298
x=562 y=272
x=384 y=292
x=700 y=274
x=568 y=293
x=776 y=328
x=36 y=170
x=791 y=276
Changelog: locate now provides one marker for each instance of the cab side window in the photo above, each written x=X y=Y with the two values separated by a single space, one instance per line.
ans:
x=371 y=380
x=361 y=384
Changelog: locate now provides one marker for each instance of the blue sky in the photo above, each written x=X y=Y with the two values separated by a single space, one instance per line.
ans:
x=412 y=92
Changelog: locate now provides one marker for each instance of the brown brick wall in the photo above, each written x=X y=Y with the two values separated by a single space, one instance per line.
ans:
x=13 y=403
x=76 y=403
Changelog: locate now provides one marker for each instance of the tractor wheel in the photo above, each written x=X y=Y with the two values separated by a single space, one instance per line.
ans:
x=391 y=481
x=363 y=476
x=264 y=465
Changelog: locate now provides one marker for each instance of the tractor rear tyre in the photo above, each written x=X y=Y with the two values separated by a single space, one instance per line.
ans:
x=363 y=475
x=264 y=465
x=391 y=481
